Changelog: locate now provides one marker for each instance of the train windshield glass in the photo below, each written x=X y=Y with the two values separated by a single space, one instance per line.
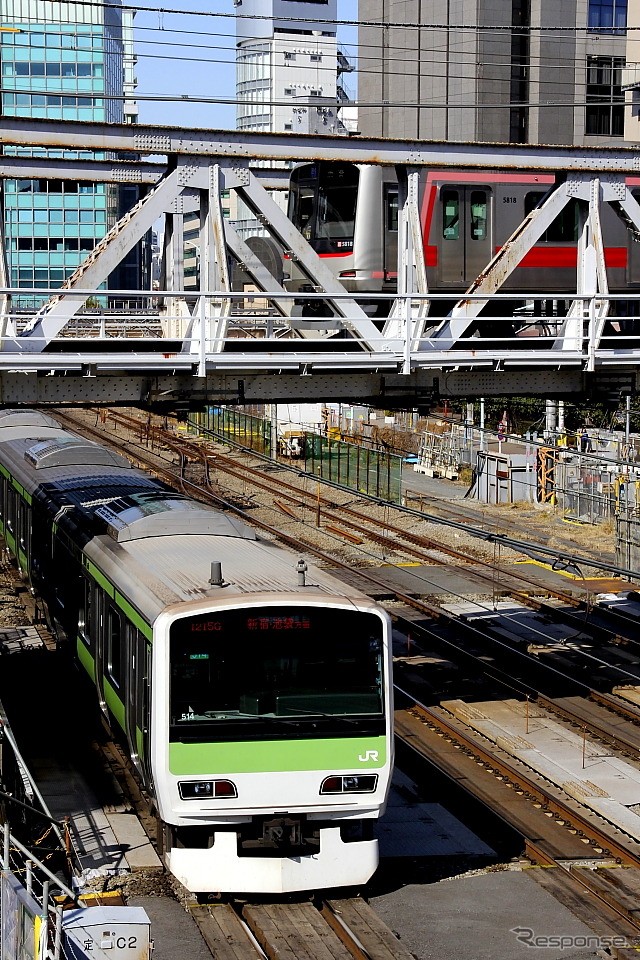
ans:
x=322 y=205
x=278 y=666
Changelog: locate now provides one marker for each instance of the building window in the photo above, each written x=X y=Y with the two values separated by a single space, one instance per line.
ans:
x=605 y=99
x=288 y=91
x=316 y=57
x=608 y=16
x=289 y=56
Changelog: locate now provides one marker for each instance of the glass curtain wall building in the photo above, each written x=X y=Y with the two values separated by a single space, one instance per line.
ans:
x=62 y=62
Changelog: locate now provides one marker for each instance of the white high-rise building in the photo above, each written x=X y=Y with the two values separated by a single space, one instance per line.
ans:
x=289 y=66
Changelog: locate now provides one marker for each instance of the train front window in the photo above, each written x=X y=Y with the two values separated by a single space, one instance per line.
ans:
x=281 y=666
x=322 y=205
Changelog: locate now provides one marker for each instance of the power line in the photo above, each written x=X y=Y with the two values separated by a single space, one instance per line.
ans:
x=308 y=101
x=387 y=73
x=556 y=64
x=386 y=24
x=421 y=80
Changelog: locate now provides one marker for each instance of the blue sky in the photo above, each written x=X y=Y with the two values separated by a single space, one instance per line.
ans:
x=168 y=63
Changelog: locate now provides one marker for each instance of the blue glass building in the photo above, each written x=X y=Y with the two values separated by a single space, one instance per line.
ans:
x=60 y=69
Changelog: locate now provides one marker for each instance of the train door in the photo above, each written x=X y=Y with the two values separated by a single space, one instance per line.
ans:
x=100 y=652
x=390 y=231
x=114 y=658
x=137 y=700
x=633 y=247
x=465 y=240
x=23 y=536
x=87 y=626
x=11 y=521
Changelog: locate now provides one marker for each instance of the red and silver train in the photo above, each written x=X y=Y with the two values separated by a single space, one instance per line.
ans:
x=349 y=215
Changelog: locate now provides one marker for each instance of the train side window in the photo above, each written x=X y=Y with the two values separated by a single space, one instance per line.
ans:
x=23 y=525
x=450 y=215
x=479 y=207
x=564 y=228
x=391 y=208
x=114 y=646
x=301 y=207
x=85 y=611
x=12 y=499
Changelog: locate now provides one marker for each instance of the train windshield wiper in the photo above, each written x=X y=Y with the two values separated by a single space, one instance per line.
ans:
x=312 y=715
x=208 y=716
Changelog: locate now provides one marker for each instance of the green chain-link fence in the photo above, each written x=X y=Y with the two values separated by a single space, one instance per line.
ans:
x=348 y=464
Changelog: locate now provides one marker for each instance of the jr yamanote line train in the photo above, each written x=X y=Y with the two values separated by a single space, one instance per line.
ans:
x=254 y=696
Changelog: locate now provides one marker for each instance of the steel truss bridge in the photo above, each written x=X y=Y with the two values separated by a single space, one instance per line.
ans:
x=190 y=347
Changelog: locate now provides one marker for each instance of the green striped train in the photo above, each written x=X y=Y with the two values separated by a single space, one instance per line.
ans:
x=254 y=694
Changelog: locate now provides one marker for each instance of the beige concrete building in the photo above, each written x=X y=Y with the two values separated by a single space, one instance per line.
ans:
x=631 y=75
x=537 y=71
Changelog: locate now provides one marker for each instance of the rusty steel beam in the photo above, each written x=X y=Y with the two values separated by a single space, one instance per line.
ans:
x=138 y=138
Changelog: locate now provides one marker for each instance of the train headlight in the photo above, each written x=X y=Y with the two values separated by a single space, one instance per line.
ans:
x=366 y=783
x=206 y=789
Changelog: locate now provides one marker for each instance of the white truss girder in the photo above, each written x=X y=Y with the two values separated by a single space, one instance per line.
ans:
x=204 y=163
x=407 y=316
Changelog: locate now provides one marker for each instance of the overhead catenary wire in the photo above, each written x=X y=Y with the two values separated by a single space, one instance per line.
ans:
x=506 y=27
x=569 y=63
x=412 y=104
x=422 y=102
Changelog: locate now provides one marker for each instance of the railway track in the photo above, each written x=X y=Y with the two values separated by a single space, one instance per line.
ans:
x=356 y=526
x=569 y=611
x=327 y=930
x=574 y=854
x=582 y=837
x=609 y=655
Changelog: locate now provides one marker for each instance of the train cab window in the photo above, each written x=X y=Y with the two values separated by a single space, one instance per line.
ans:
x=478 y=222
x=450 y=214
x=114 y=646
x=391 y=208
x=322 y=205
x=336 y=205
x=564 y=228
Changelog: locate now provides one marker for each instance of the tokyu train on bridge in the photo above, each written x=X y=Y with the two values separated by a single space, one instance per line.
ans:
x=349 y=215
x=253 y=693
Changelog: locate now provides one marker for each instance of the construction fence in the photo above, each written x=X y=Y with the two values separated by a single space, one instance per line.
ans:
x=582 y=487
x=628 y=525
x=244 y=429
